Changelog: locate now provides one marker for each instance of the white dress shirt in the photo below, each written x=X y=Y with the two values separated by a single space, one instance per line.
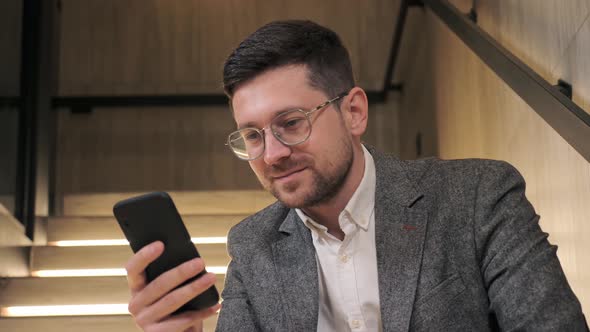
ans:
x=347 y=269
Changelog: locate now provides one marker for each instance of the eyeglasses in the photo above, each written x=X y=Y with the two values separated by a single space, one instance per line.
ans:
x=290 y=128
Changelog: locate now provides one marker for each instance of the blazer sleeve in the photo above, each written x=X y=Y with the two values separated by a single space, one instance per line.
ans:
x=526 y=286
x=235 y=314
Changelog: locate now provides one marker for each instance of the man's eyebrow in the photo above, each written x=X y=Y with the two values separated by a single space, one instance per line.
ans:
x=247 y=125
x=274 y=114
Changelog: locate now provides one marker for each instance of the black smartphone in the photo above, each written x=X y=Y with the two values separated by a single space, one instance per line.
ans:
x=154 y=217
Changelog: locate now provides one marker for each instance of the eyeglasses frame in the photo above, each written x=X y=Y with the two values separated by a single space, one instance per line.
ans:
x=262 y=131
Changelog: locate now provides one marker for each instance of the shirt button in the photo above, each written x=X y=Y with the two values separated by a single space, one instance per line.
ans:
x=355 y=323
x=344 y=258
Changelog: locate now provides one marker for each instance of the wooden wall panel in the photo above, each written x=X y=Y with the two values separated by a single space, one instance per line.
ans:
x=458 y=114
x=478 y=115
x=159 y=46
x=413 y=70
x=575 y=67
x=538 y=32
x=10 y=45
x=147 y=149
x=114 y=150
x=383 y=127
x=8 y=151
x=179 y=46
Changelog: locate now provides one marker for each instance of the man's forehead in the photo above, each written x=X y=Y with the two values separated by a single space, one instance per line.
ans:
x=273 y=92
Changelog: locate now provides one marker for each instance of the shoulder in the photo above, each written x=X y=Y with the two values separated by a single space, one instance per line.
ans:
x=261 y=227
x=434 y=165
x=420 y=169
x=442 y=178
x=468 y=184
x=465 y=172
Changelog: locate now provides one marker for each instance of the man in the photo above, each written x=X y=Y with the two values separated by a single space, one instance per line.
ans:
x=358 y=240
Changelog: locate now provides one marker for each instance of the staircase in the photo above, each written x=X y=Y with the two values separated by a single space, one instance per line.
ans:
x=89 y=275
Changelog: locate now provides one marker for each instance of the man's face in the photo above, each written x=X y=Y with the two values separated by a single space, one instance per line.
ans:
x=311 y=172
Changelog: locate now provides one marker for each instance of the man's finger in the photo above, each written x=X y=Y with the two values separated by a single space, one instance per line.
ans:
x=137 y=264
x=176 y=299
x=165 y=283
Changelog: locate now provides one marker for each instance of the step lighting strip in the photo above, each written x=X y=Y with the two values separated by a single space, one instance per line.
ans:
x=65 y=310
x=122 y=242
x=102 y=272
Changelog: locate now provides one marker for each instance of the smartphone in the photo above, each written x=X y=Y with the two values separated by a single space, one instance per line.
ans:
x=154 y=217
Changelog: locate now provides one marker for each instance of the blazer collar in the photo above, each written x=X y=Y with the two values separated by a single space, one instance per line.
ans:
x=393 y=176
x=295 y=261
x=400 y=228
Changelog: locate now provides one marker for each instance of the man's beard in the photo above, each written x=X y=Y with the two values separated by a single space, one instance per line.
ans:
x=324 y=186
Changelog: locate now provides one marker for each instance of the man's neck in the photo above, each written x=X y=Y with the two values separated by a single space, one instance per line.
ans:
x=327 y=213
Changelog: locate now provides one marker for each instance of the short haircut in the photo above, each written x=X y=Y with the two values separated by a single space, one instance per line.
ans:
x=291 y=42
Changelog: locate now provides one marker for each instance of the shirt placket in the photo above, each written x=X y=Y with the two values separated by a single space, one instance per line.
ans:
x=348 y=280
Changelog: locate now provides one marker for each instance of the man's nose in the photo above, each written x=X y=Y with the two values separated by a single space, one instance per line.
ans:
x=274 y=150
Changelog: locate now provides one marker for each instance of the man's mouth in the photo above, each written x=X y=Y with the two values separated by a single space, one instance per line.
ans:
x=286 y=175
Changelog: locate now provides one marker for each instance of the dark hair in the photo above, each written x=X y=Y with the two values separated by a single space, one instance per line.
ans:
x=291 y=42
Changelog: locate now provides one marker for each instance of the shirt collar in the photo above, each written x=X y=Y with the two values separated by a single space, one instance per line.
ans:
x=362 y=203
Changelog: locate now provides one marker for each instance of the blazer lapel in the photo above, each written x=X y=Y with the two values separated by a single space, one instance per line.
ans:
x=400 y=231
x=294 y=258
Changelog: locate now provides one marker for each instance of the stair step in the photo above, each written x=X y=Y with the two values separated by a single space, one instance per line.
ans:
x=106 y=257
x=12 y=232
x=7 y=202
x=121 y=323
x=33 y=291
x=102 y=228
x=187 y=202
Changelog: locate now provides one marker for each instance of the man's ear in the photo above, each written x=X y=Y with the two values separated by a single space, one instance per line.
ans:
x=358 y=111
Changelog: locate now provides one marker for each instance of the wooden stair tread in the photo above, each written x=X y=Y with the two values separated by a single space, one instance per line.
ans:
x=34 y=291
x=89 y=217
x=119 y=323
x=100 y=228
x=187 y=202
x=106 y=257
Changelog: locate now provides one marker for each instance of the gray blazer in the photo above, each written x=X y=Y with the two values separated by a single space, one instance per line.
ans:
x=459 y=248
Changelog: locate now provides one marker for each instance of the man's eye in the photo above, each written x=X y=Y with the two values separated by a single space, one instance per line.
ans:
x=252 y=137
x=291 y=123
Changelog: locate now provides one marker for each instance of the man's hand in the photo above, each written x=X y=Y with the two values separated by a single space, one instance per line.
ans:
x=152 y=304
